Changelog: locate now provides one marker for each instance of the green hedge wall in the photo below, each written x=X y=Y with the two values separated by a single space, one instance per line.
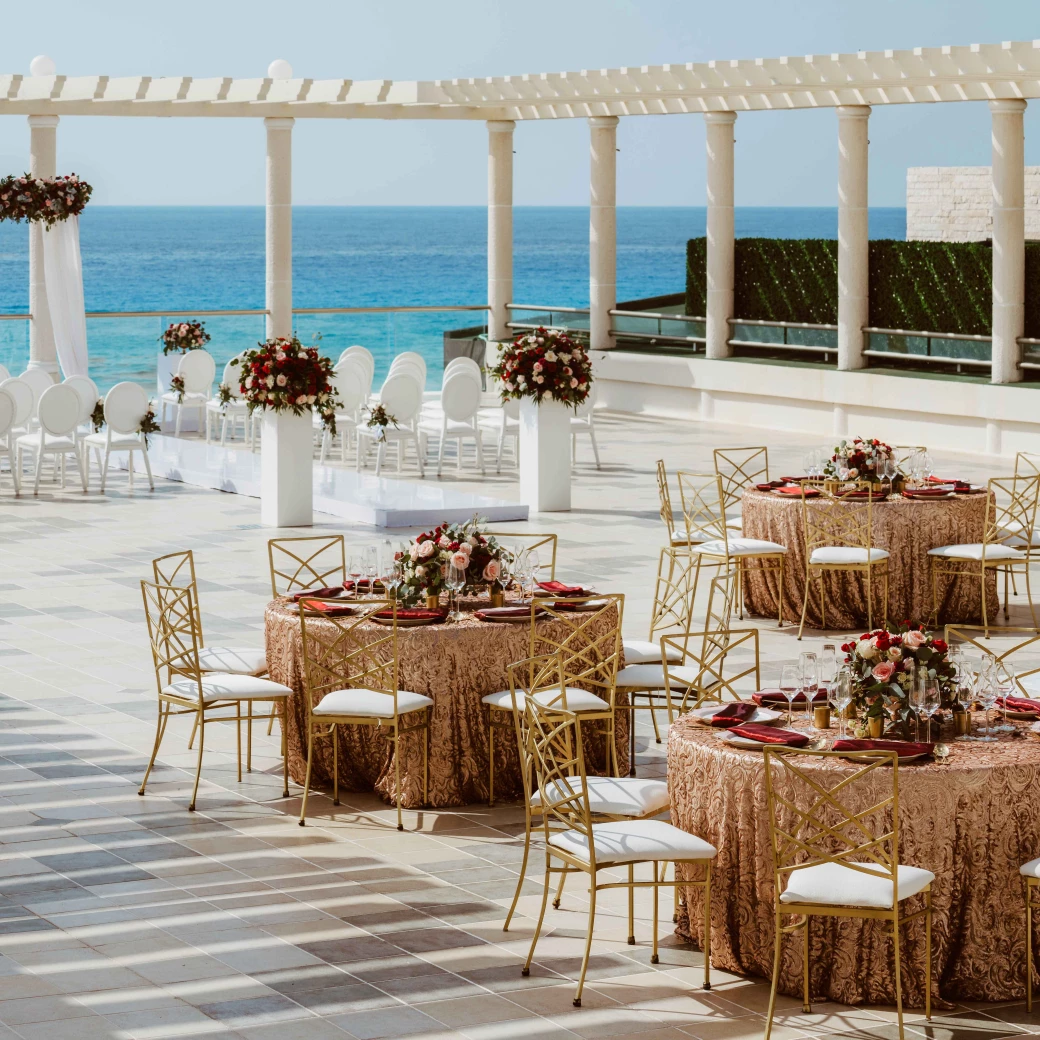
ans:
x=919 y=286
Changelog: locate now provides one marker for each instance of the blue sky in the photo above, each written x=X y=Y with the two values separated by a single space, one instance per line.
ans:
x=782 y=158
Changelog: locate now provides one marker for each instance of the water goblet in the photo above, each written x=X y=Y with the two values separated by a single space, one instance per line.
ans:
x=355 y=568
x=534 y=565
x=828 y=663
x=394 y=577
x=370 y=562
x=1004 y=675
x=841 y=695
x=929 y=702
x=790 y=680
x=455 y=582
x=810 y=678
x=986 y=692
x=916 y=698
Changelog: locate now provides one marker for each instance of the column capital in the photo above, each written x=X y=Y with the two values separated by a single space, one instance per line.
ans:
x=603 y=122
x=42 y=121
x=720 y=117
x=853 y=111
x=1007 y=105
x=501 y=126
x=279 y=122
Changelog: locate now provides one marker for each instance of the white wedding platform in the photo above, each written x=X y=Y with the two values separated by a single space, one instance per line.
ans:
x=360 y=497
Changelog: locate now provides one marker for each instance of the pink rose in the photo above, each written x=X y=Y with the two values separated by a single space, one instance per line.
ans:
x=460 y=560
x=913 y=640
x=444 y=541
x=426 y=549
x=492 y=570
x=884 y=671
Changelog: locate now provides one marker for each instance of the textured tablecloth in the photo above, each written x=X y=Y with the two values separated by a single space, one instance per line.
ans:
x=906 y=528
x=456 y=665
x=972 y=822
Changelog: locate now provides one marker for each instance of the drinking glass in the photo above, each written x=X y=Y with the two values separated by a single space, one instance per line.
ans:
x=929 y=701
x=810 y=676
x=370 y=562
x=986 y=691
x=394 y=577
x=927 y=467
x=455 y=582
x=386 y=557
x=841 y=695
x=828 y=663
x=533 y=566
x=916 y=697
x=355 y=567
x=790 y=680
x=505 y=575
x=1004 y=674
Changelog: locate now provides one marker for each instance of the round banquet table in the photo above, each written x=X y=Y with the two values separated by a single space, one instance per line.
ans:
x=972 y=821
x=907 y=528
x=454 y=664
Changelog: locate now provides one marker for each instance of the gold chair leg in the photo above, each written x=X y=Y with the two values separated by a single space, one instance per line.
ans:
x=198 y=768
x=898 y=975
x=588 y=943
x=805 y=602
x=632 y=902
x=160 y=728
x=1029 y=596
x=526 y=969
x=307 y=775
x=285 y=751
x=1007 y=571
x=238 y=739
x=426 y=757
x=707 y=926
x=780 y=597
x=559 y=891
x=249 y=737
x=928 y=952
x=397 y=778
x=985 y=617
x=870 y=602
x=1029 y=946
x=778 y=936
x=491 y=758
x=523 y=867
x=823 y=603
x=653 y=717
x=806 y=995
x=270 y=721
x=335 y=765
x=654 y=958
x=933 y=566
x=194 y=730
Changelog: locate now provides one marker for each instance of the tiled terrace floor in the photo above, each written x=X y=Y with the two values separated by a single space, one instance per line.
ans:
x=129 y=917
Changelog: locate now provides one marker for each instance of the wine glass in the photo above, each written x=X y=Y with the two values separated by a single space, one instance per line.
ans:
x=929 y=702
x=927 y=468
x=370 y=563
x=790 y=681
x=355 y=568
x=986 y=691
x=810 y=676
x=455 y=582
x=828 y=663
x=916 y=697
x=534 y=564
x=394 y=577
x=841 y=695
x=505 y=575
x=1004 y=674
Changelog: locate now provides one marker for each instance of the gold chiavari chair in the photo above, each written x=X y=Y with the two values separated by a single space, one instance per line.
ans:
x=350 y=678
x=610 y=797
x=178 y=569
x=543 y=544
x=581 y=845
x=184 y=688
x=902 y=453
x=1027 y=463
x=838 y=537
x=737 y=470
x=314 y=562
x=676 y=538
x=587 y=636
x=1010 y=516
x=833 y=858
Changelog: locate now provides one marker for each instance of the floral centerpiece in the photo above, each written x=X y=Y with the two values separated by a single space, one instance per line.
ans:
x=858 y=459
x=40 y=199
x=546 y=362
x=884 y=666
x=468 y=546
x=184 y=336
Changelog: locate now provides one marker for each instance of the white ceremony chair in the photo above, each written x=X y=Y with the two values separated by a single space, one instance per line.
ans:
x=4 y=374
x=89 y=395
x=349 y=380
x=582 y=422
x=401 y=396
x=460 y=403
x=8 y=408
x=463 y=364
x=411 y=357
x=38 y=381
x=198 y=369
x=125 y=407
x=24 y=401
x=58 y=416
x=361 y=356
x=231 y=413
x=503 y=423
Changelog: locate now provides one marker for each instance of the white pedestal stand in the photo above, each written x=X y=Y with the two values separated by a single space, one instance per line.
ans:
x=287 y=470
x=545 y=455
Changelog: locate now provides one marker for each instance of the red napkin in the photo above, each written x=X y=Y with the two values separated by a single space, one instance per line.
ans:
x=328 y=608
x=958 y=484
x=1020 y=704
x=411 y=614
x=557 y=588
x=925 y=493
x=904 y=747
x=333 y=590
x=775 y=697
x=863 y=494
x=794 y=480
x=769 y=485
x=797 y=491
x=734 y=714
x=504 y=613
x=770 y=734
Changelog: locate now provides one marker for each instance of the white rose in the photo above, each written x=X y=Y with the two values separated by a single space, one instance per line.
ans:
x=444 y=541
x=281 y=380
x=270 y=382
x=420 y=571
x=866 y=649
x=550 y=355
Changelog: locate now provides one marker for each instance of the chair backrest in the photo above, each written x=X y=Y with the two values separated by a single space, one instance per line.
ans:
x=4 y=374
x=462 y=364
x=833 y=519
x=38 y=381
x=125 y=406
x=401 y=395
x=8 y=407
x=198 y=369
x=975 y=636
x=350 y=380
x=178 y=570
x=417 y=372
x=543 y=544
x=703 y=515
x=739 y=468
x=1027 y=462
x=1011 y=510
x=88 y=394
x=231 y=377
x=306 y=563
x=363 y=356
x=460 y=397
x=664 y=496
x=24 y=399
x=175 y=641
x=819 y=815
x=410 y=357
x=674 y=592
x=584 y=410
x=58 y=410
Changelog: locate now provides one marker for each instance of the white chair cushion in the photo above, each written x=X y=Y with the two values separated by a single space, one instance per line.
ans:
x=370 y=704
x=578 y=700
x=615 y=795
x=1018 y=531
x=642 y=651
x=740 y=547
x=834 y=885
x=1030 y=869
x=651 y=676
x=228 y=688
x=633 y=841
x=237 y=660
x=1031 y=684
x=679 y=538
x=975 y=550
x=190 y=398
x=503 y=701
x=846 y=554
x=32 y=440
x=120 y=441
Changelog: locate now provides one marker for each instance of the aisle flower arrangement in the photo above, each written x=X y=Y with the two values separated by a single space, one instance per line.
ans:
x=43 y=200
x=858 y=459
x=468 y=546
x=379 y=418
x=184 y=336
x=545 y=363
x=177 y=387
x=283 y=375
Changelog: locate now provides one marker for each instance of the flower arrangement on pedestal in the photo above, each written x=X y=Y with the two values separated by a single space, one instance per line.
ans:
x=858 y=459
x=184 y=336
x=282 y=375
x=45 y=200
x=545 y=363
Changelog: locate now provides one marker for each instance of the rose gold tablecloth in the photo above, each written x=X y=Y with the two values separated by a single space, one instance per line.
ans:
x=454 y=664
x=906 y=528
x=972 y=822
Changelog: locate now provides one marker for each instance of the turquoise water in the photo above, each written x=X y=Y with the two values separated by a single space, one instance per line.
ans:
x=150 y=258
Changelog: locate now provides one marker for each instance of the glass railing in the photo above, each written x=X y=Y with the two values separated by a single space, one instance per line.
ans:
x=574 y=320
x=964 y=352
x=666 y=328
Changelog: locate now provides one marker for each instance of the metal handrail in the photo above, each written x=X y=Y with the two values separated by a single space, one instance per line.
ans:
x=654 y=314
x=15 y=317
x=389 y=310
x=930 y=358
x=239 y=312
x=782 y=324
x=811 y=347
x=542 y=307
x=930 y=335
x=655 y=337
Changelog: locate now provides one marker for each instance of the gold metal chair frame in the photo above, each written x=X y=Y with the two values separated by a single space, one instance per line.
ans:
x=666 y=510
x=309 y=562
x=354 y=658
x=963 y=634
x=737 y=469
x=535 y=542
x=1032 y=903
x=557 y=756
x=171 y=615
x=810 y=839
x=1005 y=523
x=830 y=522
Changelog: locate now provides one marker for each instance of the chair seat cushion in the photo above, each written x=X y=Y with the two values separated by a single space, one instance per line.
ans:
x=642 y=651
x=119 y=442
x=1020 y=537
x=846 y=554
x=370 y=704
x=503 y=700
x=32 y=440
x=651 y=676
x=228 y=688
x=577 y=700
x=633 y=841
x=238 y=660
x=191 y=399
x=975 y=551
x=834 y=885
x=1030 y=869
x=615 y=795
x=740 y=547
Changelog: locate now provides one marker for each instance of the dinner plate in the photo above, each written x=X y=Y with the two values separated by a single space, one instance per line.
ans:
x=415 y=622
x=765 y=715
x=737 y=741
x=1022 y=716
x=870 y=756
x=324 y=613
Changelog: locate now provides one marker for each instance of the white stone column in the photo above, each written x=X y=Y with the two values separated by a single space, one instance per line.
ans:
x=720 y=231
x=43 y=162
x=1009 y=286
x=500 y=226
x=279 y=226
x=853 y=235
x=602 y=229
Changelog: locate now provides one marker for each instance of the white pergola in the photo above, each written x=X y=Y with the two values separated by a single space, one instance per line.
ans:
x=1005 y=75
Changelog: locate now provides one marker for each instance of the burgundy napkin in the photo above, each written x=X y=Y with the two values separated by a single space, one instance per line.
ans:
x=769 y=485
x=904 y=747
x=863 y=494
x=1020 y=704
x=333 y=590
x=770 y=734
x=958 y=484
x=328 y=608
x=412 y=614
x=797 y=491
x=925 y=493
x=364 y=583
x=794 y=480
x=775 y=697
x=504 y=613
x=734 y=714
x=557 y=588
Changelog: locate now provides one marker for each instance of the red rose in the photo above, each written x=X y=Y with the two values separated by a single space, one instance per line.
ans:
x=939 y=645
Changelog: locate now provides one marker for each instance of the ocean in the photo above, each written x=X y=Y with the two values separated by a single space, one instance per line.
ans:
x=151 y=258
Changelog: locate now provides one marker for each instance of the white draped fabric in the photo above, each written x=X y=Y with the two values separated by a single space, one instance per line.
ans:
x=63 y=276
